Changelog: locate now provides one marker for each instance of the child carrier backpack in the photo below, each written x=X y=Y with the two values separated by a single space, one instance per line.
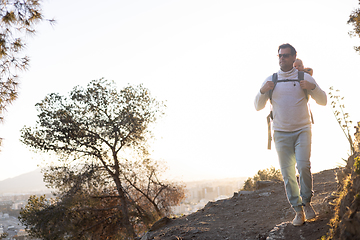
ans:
x=270 y=116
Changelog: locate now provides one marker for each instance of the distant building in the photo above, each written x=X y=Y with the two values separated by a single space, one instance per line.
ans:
x=22 y=232
x=199 y=193
x=18 y=205
x=225 y=190
x=210 y=194
x=6 y=202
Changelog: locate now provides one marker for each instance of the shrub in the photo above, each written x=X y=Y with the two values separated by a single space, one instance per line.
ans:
x=357 y=165
x=265 y=174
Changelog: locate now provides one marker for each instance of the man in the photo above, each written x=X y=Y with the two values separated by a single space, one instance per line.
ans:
x=292 y=129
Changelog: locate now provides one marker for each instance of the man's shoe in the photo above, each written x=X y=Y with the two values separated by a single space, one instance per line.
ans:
x=309 y=211
x=299 y=219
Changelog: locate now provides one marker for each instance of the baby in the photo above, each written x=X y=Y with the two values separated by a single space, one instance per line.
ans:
x=298 y=64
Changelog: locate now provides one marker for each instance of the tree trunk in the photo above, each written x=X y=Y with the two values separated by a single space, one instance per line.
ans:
x=124 y=208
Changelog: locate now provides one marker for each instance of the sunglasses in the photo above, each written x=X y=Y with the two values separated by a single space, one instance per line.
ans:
x=286 y=55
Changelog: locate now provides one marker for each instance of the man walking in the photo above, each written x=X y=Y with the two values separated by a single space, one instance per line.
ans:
x=292 y=128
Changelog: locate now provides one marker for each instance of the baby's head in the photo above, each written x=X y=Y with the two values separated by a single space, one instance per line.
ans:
x=298 y=65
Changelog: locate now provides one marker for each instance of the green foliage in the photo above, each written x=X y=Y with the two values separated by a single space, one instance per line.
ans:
x=357 y=137
x=357 y=165
x=341 y=116
x=31 y=213
x=354 y=20
x=88 y=205
x=106 y=184
x=249 y=185
x=344 y=123
x=357 y=196
x=17 y=19
x=334 y=222
x=265 y=174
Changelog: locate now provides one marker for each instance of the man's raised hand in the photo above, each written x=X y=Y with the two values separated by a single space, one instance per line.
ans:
x=269 y=85
x=307 y=85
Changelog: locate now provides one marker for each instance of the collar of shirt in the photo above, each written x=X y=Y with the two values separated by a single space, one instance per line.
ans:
x=292 y=74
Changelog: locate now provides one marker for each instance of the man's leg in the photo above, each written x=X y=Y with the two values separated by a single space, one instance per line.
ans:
x=303 y=152
x=284 y=143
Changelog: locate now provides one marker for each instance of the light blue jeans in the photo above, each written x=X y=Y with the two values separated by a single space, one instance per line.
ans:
x=295 y=148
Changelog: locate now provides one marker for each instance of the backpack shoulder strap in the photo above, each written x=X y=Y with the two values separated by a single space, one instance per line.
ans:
x=301 y=77
x=270 y=116
x=274 y=79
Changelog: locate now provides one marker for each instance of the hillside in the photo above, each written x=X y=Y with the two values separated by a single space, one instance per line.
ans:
x=261 y=214
x=24 y=183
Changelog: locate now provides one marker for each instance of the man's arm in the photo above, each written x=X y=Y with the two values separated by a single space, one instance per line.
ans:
x=263 y=94
x=314 y=90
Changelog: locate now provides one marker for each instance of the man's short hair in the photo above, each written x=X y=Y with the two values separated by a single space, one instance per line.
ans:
x=287 y=45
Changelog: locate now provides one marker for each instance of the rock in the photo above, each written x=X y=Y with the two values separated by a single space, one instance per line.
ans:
x=327 y=204
x=174 y=237
x=245 y=193
x=159 y=224
x=146 y=236
x=350 y=162
x=278 y=231
x=265 y=194
x=263 y=184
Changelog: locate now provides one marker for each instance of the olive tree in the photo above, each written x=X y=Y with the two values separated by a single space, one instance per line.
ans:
x=107 y=185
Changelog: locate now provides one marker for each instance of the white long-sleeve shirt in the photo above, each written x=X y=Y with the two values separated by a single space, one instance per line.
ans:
x=289 y=104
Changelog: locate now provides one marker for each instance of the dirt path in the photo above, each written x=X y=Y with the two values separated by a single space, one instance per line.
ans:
x=262 y=214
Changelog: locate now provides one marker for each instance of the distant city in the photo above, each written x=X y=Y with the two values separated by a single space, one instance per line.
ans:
x=10 y=206
x=199 y=193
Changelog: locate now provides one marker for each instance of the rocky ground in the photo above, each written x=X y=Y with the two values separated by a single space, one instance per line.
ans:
x=261 y=214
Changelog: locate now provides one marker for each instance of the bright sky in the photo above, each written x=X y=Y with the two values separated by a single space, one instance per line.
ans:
x=207 y=59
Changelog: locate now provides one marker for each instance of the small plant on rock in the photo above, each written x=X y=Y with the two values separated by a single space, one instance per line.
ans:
x=265 y=174
x=341 y=116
